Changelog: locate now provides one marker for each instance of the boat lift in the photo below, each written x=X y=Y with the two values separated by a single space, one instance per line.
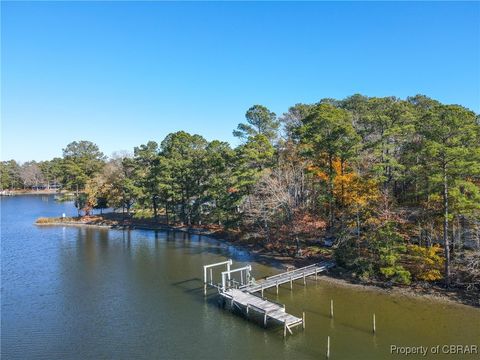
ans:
x=227 y=281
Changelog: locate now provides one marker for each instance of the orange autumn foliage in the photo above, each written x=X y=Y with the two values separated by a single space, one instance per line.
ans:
x=348 y=187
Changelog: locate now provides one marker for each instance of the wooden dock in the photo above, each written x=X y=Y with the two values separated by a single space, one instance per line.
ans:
x=241 y=294
x=287 y=277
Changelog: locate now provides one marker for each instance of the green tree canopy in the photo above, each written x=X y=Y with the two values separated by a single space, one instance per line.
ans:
x=81 y=161
x=260 y=121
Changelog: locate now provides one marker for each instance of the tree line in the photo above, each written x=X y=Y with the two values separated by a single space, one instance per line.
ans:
x=393 y=184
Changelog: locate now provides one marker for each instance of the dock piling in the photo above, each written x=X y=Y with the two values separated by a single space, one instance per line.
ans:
x=328 y=347
x=374 y=325
x=331 y=308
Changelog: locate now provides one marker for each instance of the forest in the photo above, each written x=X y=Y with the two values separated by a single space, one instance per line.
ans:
x=391 y=185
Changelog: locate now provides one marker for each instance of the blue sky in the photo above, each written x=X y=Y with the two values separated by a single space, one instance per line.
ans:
x=120 y=74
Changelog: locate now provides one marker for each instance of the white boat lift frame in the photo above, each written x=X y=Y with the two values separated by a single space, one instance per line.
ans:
x=228 y=263
x=228 y=273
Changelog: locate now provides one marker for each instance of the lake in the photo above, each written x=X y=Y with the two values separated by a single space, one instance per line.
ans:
x=77 y=292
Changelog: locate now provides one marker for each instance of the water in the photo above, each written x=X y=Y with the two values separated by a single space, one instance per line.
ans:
x=76 y=293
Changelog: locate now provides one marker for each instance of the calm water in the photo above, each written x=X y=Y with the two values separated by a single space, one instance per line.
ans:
x=76 y=293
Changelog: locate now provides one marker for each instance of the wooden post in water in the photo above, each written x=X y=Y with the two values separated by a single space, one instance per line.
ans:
x=304 y=280
x=277 y=286
x=331 y=308
x=303 y=320
x=211 y=276
x=328 y=347
x=291 y=283
x=374 y=326
x=265 y=319
x=248 y=306
x=285 y=329
x=262 y=291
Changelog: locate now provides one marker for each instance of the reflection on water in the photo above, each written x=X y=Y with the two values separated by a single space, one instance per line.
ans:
x=73 y=292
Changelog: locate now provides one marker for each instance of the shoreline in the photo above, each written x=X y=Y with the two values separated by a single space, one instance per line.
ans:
x=336 y=276
x=32 y=192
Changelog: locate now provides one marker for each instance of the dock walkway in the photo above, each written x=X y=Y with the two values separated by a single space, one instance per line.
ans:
x=287 y=277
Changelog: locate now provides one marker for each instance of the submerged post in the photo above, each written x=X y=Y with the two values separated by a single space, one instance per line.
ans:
x=285 y=329
x=374 y=327
x=303 y=320
x=204 y=280
x=328 y=347
x=331 y=308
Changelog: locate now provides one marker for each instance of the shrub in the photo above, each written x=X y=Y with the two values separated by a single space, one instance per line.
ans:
x=397 y=274
x=426 y=262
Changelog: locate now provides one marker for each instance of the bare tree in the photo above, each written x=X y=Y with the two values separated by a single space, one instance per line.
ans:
x=278 y=201
x=31 y=175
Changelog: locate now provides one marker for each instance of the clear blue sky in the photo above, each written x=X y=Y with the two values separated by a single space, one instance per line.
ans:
x=120 y=74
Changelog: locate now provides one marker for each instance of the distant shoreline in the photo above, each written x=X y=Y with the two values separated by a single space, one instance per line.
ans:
x=31 y=192
x=337 y=276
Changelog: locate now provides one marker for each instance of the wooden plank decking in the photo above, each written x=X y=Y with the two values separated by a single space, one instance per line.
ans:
x=269 y=309
x=287 y=277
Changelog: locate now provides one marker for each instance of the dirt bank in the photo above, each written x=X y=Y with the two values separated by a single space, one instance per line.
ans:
x=272 y=256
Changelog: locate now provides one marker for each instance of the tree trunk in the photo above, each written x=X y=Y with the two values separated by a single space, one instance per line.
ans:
x=446 y=240
x=330 y=185
x=166 y=213
x=155 y=207
x=342 y=200
x=78 y=207
x=358 y=226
